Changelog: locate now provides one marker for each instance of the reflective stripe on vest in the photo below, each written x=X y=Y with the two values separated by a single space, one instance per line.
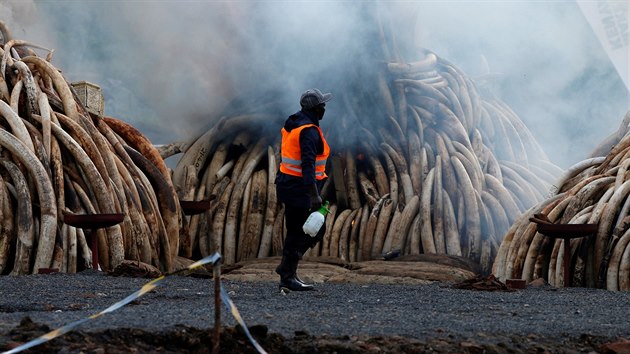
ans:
x=291 y=162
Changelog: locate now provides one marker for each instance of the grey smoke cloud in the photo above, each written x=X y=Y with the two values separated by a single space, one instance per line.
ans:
x=554 y=72
x=170 y=68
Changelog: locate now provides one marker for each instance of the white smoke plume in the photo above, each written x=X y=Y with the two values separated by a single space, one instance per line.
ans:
x=172 y=67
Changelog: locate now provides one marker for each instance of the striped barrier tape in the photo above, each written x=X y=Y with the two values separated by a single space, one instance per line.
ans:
x=237 y=316
x=214 y=259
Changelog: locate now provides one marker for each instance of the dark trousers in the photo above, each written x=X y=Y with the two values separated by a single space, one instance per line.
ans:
x=297 y=241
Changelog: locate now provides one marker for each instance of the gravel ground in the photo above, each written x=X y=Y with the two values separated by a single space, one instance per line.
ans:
x=532 y=319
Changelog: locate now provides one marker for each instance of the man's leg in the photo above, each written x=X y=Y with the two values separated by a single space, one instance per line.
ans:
x=295 y=244
x=318 y=238
x=296 y=239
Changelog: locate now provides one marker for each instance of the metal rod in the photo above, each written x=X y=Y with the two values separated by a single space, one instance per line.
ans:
x=216 y=333
x=567 y=262
x=94 y=244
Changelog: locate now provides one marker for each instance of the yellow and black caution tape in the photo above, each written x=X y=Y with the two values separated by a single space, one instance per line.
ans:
x=214 y=259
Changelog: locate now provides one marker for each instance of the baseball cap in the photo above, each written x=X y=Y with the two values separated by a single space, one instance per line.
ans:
x=312 y=97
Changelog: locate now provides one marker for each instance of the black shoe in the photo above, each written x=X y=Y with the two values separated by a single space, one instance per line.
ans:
x=302 y=281
x=292 y=284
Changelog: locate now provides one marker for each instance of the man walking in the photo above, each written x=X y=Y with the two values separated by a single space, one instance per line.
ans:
x=304 y=152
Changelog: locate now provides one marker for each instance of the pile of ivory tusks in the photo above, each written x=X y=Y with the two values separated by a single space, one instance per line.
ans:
x=593 y=191
x=56 y=160
x=445 y=171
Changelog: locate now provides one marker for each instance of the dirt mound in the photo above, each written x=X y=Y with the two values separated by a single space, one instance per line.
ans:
x=233 y=341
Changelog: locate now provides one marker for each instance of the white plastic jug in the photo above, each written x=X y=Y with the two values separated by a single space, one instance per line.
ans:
x=315 y=221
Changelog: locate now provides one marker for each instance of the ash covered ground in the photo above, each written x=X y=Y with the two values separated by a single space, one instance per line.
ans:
x=178 y=317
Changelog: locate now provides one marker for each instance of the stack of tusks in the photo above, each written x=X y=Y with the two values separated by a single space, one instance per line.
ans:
x=57 y=160
x=593 y=191
x=447 y=171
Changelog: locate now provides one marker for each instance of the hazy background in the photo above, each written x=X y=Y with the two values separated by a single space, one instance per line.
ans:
x=171 y=68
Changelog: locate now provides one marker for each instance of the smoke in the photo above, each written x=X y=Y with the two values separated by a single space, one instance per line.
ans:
x=23 y=19
x=549 y=66
x=173 y=68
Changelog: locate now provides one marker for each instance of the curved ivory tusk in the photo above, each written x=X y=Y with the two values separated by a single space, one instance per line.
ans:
x=24 y=218
x=138 y=141
x=272 y=203
x=60 y=84
x=48 y=227
x=17 y=125
x=165 y=197
x=7 y=229
x=29 y=86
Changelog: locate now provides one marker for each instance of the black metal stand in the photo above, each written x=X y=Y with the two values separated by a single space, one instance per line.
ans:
x=566 y=232
x=93 y=222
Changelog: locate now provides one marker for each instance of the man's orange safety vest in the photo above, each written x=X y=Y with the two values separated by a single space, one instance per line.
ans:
x=290 y=151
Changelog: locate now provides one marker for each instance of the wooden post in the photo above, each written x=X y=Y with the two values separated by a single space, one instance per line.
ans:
x=216 y=333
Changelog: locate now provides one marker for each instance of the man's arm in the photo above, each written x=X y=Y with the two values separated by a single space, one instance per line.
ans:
x=308 y=146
